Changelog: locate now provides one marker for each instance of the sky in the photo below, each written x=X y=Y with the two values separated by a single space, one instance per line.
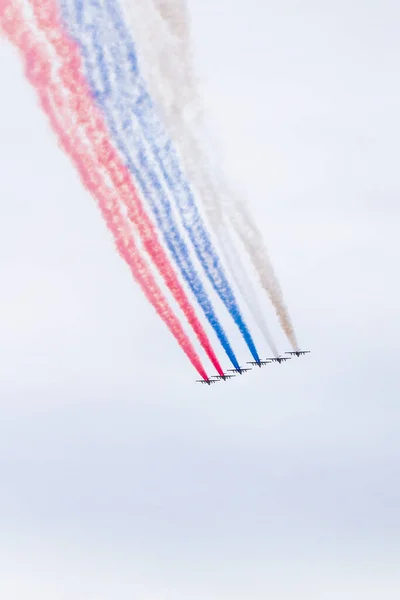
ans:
x=120 y=478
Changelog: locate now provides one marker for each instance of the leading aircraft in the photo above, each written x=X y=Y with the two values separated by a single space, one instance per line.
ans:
x=223 y=376
x=207 y=381
x=299 y=352
x=258 y=363
x=239 y=370
x=279 y=359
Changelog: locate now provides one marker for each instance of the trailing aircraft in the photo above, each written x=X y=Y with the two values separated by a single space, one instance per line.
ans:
x=279 y=359
x=207 y=381
x=223 y=376
x=239 y=370
x=258 y=363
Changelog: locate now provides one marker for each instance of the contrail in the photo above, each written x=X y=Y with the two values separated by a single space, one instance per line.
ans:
x=67 y=107
x=177 y=94
x=109 y=40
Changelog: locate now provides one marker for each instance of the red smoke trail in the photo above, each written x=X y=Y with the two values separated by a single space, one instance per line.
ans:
x=38 y=71
x=47 y=15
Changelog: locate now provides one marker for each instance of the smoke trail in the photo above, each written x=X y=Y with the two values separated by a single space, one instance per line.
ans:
x=157 y=44
x=243 y=282
x=57 y=106
x=228 y=250
x=96 y=132
x=161 y=67
x=174 y=15
x=177 y=103
x=127 y=136
x=116 y=65
x=252 y=238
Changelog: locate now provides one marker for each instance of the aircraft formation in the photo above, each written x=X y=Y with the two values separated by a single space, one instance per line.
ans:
x=118 y=109
x=260 y=363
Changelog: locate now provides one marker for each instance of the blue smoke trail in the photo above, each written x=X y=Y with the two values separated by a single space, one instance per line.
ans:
x=131 y=106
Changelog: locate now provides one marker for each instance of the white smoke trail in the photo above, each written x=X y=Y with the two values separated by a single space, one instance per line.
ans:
x=168 y=68
x=158 y=49
x=244 y=284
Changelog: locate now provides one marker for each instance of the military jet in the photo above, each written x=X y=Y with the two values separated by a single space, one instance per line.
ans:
x=299 y=352
x=279 y=359
x=258 y=363
x=239 y=370
x=207 y=381
x=223 y=376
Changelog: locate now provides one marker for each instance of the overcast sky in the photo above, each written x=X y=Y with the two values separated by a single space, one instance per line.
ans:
x=281 y=484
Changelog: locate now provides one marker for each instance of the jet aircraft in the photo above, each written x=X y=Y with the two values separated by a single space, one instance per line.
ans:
x=239 y=370
x=279 y=359
x=299 y=352
x=223 y=376
x=207 y=381
x=258 y=363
